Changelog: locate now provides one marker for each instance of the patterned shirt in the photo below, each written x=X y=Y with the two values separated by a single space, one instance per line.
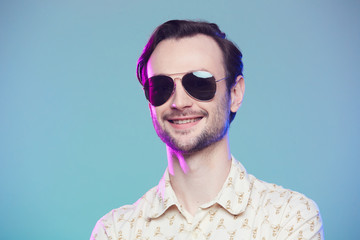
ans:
x=245 y=208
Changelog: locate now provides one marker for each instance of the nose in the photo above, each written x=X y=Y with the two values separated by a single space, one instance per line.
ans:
x=180 y=99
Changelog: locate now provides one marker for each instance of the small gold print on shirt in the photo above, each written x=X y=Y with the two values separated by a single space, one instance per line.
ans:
x=121 y=218
x=298 y=216
x=232 y=235
x=290 y=230
x=245 y=223
x=242 y=174
x=182 y=227
x=278 y=208
x=139 y=234
x=240 y=197
x=300 y=236
x=220 y=224
x=229 y=183
x=212 y=214
x=157 y=231
x=254 y=232
x=276 y=229
x=171 y=220
x=228 y=204
x=312 y=225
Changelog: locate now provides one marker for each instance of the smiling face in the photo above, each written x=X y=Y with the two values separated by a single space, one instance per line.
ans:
x=183 y=123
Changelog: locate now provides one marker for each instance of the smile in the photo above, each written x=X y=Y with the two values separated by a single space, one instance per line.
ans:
x=185 y=121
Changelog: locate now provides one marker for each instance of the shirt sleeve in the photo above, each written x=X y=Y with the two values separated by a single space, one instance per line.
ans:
x=99 y=232
x=102 y=231
x=302 y=220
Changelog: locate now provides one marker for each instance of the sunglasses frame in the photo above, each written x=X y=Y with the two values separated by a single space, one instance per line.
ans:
x=146 y=91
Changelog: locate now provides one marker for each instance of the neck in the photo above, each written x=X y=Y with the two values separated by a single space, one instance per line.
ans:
x=198 y=177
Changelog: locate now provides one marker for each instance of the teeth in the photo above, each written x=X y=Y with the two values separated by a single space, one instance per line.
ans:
x=185 y=121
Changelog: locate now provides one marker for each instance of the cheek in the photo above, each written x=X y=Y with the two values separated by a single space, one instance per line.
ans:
x=154 y=112
x=222 y=97
x=223 y=107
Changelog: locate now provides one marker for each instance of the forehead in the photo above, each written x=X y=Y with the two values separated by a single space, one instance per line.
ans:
x=199 y=52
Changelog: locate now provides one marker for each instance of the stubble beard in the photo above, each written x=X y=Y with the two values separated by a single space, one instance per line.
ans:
x=212 y=133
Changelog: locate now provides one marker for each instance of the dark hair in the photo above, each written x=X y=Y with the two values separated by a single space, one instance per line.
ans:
x=184 y=28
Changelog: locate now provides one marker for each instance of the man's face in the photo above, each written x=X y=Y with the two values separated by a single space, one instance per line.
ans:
x=184 y=123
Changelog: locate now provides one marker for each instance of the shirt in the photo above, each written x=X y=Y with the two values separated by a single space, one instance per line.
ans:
x=245 y=208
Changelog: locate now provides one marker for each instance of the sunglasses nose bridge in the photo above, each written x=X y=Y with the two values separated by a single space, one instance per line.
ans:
x=180 y=96
x=178 y=79
x=175 y=79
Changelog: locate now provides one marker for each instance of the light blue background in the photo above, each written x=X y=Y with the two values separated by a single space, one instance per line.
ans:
x=76 y=139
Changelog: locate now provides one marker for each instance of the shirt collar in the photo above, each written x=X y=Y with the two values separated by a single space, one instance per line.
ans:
x=235 y=193
x=164 y=197
x=233 y=196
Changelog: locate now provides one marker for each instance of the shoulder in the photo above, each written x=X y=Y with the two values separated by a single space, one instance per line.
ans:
x=291 y=212
x=276 y=196
x=121 y=220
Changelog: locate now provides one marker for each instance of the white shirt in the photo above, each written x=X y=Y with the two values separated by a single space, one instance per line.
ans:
x=245 y=208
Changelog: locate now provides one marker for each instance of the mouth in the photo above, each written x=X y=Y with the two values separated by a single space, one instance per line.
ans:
x=184 y=121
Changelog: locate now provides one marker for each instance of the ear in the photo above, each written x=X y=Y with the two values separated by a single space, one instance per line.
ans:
x=237 y=93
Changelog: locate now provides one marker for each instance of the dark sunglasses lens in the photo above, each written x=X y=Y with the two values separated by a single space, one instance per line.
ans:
x=158 y=89
x=201 y=85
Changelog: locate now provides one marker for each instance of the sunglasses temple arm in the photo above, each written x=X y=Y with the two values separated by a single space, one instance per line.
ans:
x=221 y=79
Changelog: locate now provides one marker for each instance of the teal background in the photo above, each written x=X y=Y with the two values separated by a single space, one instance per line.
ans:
x=76 y=138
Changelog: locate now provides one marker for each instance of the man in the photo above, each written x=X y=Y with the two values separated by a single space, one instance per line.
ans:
x=192 y=77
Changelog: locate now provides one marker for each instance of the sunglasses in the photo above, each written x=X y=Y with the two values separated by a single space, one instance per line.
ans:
x=200 y=85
